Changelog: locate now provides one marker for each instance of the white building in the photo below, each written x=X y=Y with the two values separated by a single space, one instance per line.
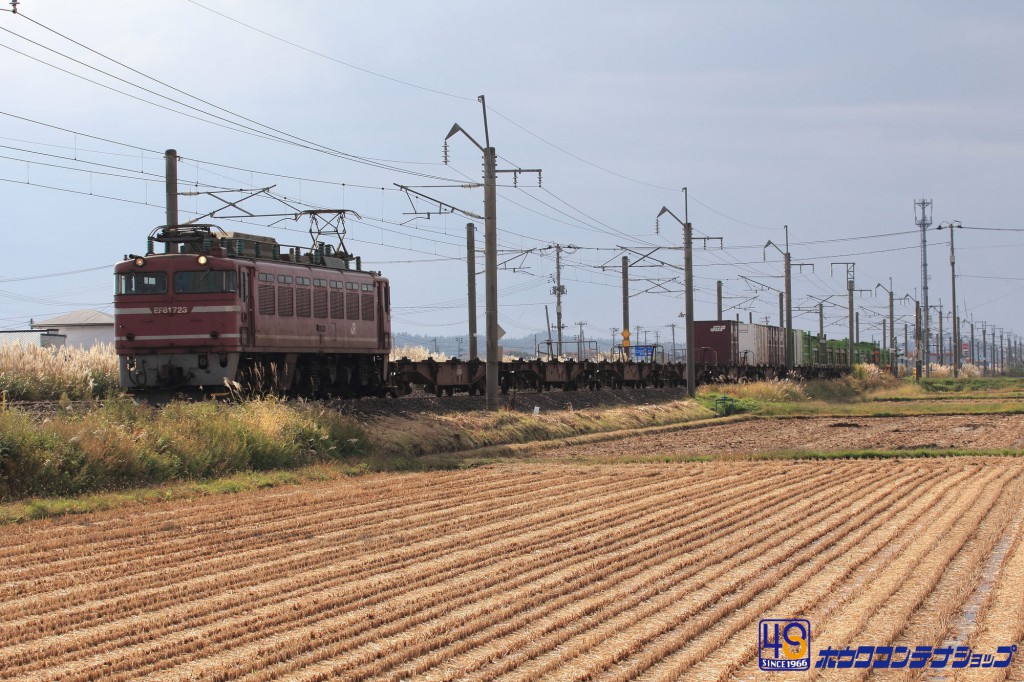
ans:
x=32 y=337
x=83 y=328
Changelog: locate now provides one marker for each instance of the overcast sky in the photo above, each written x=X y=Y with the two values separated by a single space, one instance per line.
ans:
x=828 y=117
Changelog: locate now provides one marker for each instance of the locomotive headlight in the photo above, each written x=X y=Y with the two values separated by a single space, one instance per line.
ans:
x=139 y=261
x=202 y=260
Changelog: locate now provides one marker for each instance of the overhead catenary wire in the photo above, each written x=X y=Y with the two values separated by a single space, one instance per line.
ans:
x=585 y=265
x=259 y=131
x=500 y=114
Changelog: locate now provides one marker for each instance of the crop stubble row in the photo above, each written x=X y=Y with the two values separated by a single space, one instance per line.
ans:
x=614 y=572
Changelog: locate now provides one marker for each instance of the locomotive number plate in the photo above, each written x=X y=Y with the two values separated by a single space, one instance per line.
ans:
x=170 y=310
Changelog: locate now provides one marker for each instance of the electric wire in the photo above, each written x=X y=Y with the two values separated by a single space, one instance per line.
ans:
x=275 y=134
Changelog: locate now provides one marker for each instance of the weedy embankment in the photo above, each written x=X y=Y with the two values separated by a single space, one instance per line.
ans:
x=121 y=444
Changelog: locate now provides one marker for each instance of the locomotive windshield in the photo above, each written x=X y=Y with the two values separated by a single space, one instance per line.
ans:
x=133 y=283
x=206 y=282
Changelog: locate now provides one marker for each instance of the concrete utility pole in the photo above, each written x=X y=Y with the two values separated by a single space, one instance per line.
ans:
x=918 y=332
x=849 y=293
x=849 y=341
x=1002 y=355
x=691 y=356
x=972 y=354
x=952 y=227
x=494 y=331
x=994 y=355
x=581 y=347
x=672 y=355
x=471 y=273
x=691 y=364
x=625 y=303
x=924 y=222
x=547 y=318
x=788 y=291
x=906 y=347
x=171 y=183
x=892 y=328
x=942 y=349
x=719 y=300
x=984 y=350
x=558 y=290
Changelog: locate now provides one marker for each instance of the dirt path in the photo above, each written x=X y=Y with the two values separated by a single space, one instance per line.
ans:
x=816 y=434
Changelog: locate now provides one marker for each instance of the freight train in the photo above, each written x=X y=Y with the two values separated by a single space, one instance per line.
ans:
x=219 y=308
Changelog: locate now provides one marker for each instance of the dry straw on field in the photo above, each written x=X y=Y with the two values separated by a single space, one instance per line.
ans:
x=416 y=353
x=532 y=572
x=35 y=373
x=967 y=371
x=772 y=390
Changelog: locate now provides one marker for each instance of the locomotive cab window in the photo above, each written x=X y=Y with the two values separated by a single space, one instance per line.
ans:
x=135 y=283
x=206 y=282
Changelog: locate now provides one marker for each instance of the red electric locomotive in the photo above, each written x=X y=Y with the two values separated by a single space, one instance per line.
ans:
x=218 y=307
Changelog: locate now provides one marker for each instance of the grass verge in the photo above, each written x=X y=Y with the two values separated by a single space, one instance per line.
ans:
x=122 y=453
x=122 y=444
x=454 y=433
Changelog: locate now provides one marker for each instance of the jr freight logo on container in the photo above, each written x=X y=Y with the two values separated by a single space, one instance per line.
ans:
x=784 y=644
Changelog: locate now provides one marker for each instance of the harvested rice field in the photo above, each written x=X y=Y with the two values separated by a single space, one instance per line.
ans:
x=527 y=571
